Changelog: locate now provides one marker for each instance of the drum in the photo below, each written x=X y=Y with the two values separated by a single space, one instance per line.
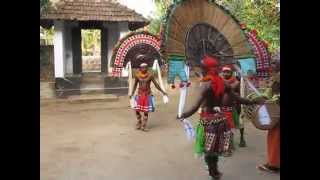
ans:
x=263 y=117
x=266 y=123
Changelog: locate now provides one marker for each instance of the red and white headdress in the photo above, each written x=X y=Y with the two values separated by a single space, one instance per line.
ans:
x=227 y=68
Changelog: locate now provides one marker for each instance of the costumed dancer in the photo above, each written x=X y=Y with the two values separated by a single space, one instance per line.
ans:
x=144 y=101
x=176 y=68
x=245 y=90
x=273 y=137
x=214 y=94
x=232 y=110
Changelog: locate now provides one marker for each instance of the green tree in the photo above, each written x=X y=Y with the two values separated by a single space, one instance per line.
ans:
x=161 y=8
x=43 y=5
x=262 y=15
x=47 y=35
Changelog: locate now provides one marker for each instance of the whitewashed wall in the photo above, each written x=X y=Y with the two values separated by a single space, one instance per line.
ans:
x=58 y=41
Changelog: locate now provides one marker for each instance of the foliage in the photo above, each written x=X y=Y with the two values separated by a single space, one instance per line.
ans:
x=47 y=35
x=162 y=6
x=262 y=15
x=43 y=5
x=90 y=40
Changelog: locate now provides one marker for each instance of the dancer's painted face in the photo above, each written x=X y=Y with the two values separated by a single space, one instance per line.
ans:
x=227 y=74
x=275 y=66
x=144 y=69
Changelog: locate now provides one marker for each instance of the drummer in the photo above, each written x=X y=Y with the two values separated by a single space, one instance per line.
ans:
x=273 y=138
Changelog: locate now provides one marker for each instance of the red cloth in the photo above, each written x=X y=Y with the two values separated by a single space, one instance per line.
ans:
x=273 y=142
x=211 y=67
x=209 y=61
x=142 y=103
x=230 y=123
x=210 y=115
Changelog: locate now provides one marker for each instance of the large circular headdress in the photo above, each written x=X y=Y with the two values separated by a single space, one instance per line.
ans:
x=131 y=47
x=261 y=53
x=195 y=27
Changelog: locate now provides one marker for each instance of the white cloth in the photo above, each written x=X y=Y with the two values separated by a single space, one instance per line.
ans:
x=242 y=94
x=128 y=67
x=263 y=114
x=188 y=128
x=156 y=66
x=217 y=109
x=165 y=99
x=132 y=102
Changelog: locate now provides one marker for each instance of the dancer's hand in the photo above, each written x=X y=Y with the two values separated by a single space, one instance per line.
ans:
x=260 y=100
x=179 y=118
x=217 y=109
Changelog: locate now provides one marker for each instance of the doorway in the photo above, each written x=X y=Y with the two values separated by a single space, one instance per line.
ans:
x=92 y=79
x=91 y=50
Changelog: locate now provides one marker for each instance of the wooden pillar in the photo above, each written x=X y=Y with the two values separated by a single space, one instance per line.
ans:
x=68 y=49
x=124 y=30
x=104 y=50
x=59 y=55
x=76 y=50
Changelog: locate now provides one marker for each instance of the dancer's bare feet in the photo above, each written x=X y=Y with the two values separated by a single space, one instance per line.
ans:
x=242 y=143
x=138 y=125
x=145 y=129
x=267 y=168
x=228 y=154
x=217 y=176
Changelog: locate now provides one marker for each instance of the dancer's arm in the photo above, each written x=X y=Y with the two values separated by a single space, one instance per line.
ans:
x=202 y=96
x=157 y=85
x=134 y=86
x=235 y=86
x=245 y=101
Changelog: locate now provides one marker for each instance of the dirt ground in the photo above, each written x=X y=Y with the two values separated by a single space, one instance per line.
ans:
x=97 y=141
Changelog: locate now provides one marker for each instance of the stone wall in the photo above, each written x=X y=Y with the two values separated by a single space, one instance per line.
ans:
x=47 y=90
x=46 y=63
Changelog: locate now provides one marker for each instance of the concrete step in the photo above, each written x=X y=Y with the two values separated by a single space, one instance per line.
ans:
x=83 y=98
x=93 y=98
x=92 y=90
x=92 y=74
x=92 y=80
x=92 y=83
x=92 y=77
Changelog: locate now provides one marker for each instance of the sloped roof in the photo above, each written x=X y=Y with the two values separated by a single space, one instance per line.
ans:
x=92 y=10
